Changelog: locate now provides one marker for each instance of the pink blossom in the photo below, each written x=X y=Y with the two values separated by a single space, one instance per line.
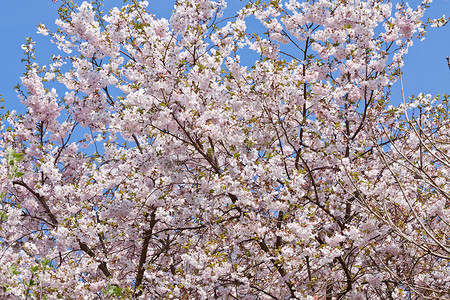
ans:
x=203 y=157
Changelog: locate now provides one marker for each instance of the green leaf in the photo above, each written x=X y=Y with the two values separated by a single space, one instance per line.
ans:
x=46 y=261
x=3 y=216
x=112 y=290
x=18 y=156
x=31 y=282
x=19 y=174
x=13 y=270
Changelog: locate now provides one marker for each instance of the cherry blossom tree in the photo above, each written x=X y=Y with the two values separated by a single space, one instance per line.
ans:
x=413 y=178
x=153 y=162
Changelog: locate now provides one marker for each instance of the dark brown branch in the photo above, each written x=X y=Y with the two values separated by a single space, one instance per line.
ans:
x=279 y=268
x=110 y=99
x=137 y=143
x=41 y=200
x=197 y=145
x=179 y=229
x=329 y=292
x=263 y=291
x=348 y=276
x=279 y=240
x=361 y=124
x=143 y=256
x=102 y=266
x=64 y=144
x=308 y=267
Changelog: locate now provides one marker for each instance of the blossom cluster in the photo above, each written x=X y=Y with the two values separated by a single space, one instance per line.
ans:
x=153 y=162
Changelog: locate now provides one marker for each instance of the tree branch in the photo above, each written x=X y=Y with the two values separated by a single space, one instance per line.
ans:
x=143 y=256
x=41 y=200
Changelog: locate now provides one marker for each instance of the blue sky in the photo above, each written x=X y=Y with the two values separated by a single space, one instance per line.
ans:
x=425 y=69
